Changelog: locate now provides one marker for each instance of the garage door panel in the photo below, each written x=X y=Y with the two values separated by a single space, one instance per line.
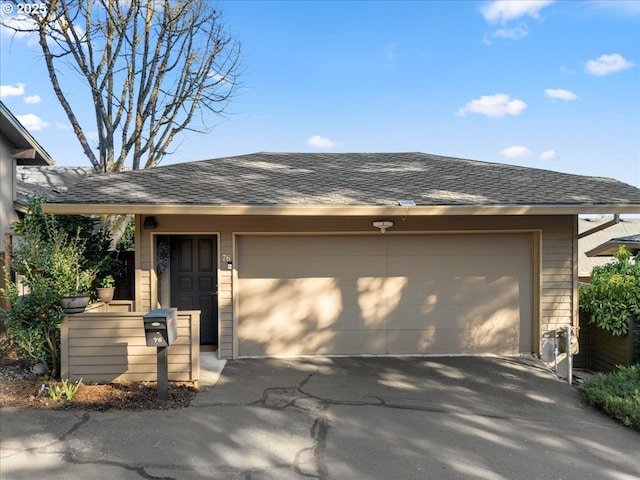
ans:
x=459 y=245
x=470 y=291
x=323 y=342
x=337 y=246
x=455 y=317
x=446 y=266
x=321 y=266
x=320 y=302
x=305 y=297
x=468 y=341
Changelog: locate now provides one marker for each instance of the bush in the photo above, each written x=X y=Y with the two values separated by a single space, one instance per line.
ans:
x=34 y=323
x=48 y=256
x=55 y=257
x=617 y=393
x=613 y=297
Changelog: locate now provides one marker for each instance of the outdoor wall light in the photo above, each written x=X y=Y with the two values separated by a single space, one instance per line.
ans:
x=383 y=225
x=149 y=223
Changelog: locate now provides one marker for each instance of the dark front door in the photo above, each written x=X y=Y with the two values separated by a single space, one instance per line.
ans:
x=194 y=281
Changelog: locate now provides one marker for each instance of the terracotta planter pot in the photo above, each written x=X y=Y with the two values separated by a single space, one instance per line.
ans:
x=75 y=303
x=105 y=294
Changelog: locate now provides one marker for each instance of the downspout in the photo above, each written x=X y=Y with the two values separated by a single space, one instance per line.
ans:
x=610 y=223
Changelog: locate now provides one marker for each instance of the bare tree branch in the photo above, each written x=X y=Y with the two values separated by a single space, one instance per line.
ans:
x=149 y=66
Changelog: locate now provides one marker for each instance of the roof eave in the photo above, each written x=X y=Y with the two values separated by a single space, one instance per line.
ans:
x=608 y=249
x=20 y=136
x=343 y=210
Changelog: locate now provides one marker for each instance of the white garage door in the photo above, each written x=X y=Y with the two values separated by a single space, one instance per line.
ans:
x=384 y=294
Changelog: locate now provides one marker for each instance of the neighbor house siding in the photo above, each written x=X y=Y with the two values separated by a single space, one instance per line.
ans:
x=555 y=268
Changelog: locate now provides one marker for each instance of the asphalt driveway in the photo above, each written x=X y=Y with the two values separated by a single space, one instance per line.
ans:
x=340 y=418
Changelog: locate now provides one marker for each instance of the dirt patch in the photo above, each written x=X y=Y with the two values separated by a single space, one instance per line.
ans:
x=22 y=389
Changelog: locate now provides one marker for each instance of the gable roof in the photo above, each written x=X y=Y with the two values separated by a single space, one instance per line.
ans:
x=21 y=139
x=625 y=228
x=332 y=181
x=610 y=247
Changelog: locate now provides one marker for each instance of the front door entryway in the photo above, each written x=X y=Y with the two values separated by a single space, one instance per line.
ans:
x=194 y=284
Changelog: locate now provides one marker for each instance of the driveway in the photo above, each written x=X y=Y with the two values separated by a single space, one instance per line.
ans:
x=339 y=418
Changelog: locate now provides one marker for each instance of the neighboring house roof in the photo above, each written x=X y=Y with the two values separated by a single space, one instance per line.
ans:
x=28 y=150
x=44 y=181
x=347 y=180
x=628 y=228
x=609 y=248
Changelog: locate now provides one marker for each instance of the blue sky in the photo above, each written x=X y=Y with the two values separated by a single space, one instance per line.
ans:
x=553 y=85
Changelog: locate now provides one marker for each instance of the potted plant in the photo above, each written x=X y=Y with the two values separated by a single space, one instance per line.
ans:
x=106 y=288
x=75 y=290
x=69 y=272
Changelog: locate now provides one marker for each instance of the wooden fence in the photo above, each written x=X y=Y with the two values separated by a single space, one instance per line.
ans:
x=602 y=352
x=107 y=346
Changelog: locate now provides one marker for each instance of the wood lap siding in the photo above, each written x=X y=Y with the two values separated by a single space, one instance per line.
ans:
x=557 y=280
x=111 y=346
x=225 y=301
x=557 y=269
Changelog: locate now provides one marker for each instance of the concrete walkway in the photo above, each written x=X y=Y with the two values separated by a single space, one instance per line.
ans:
x=342 y=418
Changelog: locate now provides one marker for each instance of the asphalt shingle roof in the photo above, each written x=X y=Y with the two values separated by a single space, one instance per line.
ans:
x=44 y=181
x=626 y=228
x=346 y=179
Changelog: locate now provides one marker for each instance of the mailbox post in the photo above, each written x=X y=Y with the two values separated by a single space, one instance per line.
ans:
x=161 y=330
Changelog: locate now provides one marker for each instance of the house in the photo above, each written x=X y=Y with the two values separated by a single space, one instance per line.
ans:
x=598 y=248
x=26 y=169
x=17 y=149
x=291 y=254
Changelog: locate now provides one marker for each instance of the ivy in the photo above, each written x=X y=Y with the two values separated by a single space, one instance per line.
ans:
x=613 y=297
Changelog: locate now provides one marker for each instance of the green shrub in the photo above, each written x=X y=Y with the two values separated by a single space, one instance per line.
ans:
x=54 y=257
x=617 y=393
x=34 y=323
x=613 y=297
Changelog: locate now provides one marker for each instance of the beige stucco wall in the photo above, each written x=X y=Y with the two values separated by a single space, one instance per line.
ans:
x=555 y=266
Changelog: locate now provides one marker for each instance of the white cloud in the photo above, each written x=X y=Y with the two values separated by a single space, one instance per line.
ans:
x=607 y=64
x=548 y=155
x=11 y=91
x=32 y=122
x=560 y=94
x=32 y=100
x=495 y=106
x=501 y=11
x=320 y=142
x=63 y=126
x=517 y=151
x=515 y=33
